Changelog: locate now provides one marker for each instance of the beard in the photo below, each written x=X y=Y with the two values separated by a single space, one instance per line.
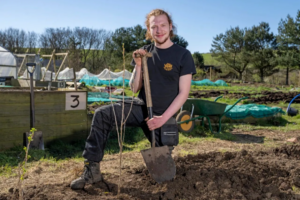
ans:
x=164 y=41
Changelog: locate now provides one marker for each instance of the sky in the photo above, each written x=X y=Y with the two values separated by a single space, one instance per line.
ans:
x=197 y=21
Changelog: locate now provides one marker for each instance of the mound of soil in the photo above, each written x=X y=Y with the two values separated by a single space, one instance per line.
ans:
x=270 y=174
x=267 y=98
x=276 y=97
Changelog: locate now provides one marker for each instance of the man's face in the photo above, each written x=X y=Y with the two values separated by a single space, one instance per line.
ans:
x=160 y=28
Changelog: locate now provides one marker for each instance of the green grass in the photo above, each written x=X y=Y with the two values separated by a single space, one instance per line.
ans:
x=235 y=88
x=58 y=150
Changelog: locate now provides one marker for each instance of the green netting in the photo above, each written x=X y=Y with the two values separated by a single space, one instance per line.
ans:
x=254 y=110
x=95 y=81
x=104 y=97
x=207 y=82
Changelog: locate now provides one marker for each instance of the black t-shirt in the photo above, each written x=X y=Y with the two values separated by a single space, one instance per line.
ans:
x=165 y=68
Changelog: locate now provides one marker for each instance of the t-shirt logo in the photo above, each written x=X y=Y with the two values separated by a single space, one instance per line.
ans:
x=168 y=67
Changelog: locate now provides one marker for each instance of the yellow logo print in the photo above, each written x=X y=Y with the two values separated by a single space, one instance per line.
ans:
x=168 y=67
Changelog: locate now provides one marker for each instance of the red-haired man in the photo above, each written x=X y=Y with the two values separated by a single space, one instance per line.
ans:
x=170 y=70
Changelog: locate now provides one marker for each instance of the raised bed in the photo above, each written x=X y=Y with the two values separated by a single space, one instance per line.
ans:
x=57 y=115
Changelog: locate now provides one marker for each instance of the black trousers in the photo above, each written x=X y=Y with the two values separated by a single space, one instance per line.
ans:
x=104 y=120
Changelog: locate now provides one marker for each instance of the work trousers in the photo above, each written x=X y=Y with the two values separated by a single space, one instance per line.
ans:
x=104 y=121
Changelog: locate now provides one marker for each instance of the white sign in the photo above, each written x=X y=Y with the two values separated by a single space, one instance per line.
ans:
x=76 y=101
x=2 y=83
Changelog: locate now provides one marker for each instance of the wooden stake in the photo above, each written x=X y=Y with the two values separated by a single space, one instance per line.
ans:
x=23 y=63
x=51 y=56
x=63 y=62
x=54 y=66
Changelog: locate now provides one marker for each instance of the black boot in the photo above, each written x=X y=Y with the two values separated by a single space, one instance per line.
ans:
x=90 y=175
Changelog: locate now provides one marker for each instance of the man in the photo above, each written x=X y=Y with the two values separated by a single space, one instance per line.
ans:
x=170 y=70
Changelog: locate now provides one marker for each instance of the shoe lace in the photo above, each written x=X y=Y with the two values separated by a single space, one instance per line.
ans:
x=87 y=172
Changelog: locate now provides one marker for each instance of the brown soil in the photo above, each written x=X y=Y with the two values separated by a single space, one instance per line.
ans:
x=267 y=98
x=243 y=169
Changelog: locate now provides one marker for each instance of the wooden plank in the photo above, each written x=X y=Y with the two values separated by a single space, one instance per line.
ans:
x=62 y=63
x=54 y=66
x=61 y=131
x=9 y=144
x=12 y=133
x=21 y=66
x=47 y=97
x=14 y=122
x=51 y=56
x=52 y=109
x=11 y=110
x=9 y=97
x=71 y=132
x=61 y=54
x=60 y=119
x=18 y=116
x=13 y=137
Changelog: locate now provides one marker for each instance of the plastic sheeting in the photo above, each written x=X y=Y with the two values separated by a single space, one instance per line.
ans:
x=95 y=81
x=254 y=110
x=8 y=63
x=104 y=75
x=104 y=97
x=207 y=82
x=68 y=74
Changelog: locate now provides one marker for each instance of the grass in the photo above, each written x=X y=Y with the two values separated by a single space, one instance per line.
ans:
x=296 y=189
x=58 y=151
x=235 y=88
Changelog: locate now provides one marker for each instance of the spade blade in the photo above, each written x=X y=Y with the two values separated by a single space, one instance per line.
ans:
x=160 y=163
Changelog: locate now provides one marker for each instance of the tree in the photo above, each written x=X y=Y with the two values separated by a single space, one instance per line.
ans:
x=198 y=59
x=97 y=61
x=139 y=38
x=57 y=39
x=180 y=41
x=31 y=40
x=74 y=50
x=133 y=38
x=20 y=40
x=2 y=39
x=44 y=44
x=262 y=44
x=231 y=49
x=288 y=54
x=86 y=38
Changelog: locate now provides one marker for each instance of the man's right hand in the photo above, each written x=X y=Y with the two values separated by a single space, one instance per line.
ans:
x=138 y=61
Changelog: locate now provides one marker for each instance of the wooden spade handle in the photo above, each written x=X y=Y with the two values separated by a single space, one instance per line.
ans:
x=146 y=81
x=146 y=76
x=147 y=89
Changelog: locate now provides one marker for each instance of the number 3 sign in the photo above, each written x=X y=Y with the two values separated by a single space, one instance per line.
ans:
x=75 y=100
